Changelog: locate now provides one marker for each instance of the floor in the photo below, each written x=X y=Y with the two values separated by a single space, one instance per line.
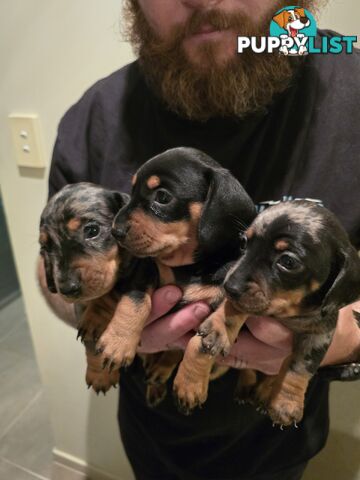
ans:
x=25 y=433
x=9 y=286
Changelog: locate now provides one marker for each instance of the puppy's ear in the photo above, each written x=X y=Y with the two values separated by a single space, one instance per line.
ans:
x=227 y=210
x=301 y=12
x=281 y=18
x=49 y=273
x=345 y=289
x=118 y=200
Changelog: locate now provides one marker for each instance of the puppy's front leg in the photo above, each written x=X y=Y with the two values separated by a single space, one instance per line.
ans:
x=118 y=344
x=158 y=369
x=216 y=335
x=96 y=377
x=288 y=392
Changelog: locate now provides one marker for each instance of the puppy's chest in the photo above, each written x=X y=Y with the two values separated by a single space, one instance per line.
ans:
x=194 y=284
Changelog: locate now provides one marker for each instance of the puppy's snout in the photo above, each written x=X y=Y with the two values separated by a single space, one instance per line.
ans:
x=304 y=20
x=232 y=288
x=70 y=289
x=120 y=231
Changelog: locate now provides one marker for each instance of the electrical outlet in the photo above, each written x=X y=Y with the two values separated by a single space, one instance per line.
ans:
x=27 y=140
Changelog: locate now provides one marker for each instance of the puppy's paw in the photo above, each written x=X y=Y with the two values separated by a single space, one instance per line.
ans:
x=189 y=395
x=91 y=326
x=155 y=394
x=246 y=386
x=101 y=381
x=244 y=395
x=214 y=339
x=115 y=351
x=157 y=375
x=285 y=411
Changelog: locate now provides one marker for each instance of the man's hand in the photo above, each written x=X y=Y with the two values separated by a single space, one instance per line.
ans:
x=171 y=331
x=263 y=346
x=345 y=347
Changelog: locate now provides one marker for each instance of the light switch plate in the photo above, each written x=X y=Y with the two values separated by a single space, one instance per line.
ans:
x=27 y=140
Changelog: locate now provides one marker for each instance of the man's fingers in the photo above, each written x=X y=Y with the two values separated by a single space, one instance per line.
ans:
x=345 y=345
x=163 y=300
x=249 y=352
x=271 y=332
x=159 y=335
x=181 y=342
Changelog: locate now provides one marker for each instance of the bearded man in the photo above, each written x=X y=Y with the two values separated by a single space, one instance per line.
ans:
x=284 y=127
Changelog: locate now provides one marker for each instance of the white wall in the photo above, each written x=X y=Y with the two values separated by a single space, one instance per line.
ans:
x=50 y=52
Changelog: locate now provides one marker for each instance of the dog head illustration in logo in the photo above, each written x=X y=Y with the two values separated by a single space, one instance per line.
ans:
x=293 y=21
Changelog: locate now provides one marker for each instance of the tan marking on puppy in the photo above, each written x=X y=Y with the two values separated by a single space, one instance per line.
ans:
x=314 y=285
x=192 y=378
x=134 y=179
x=161 y=370
x=166 y=274
x=98 y=274
x=263 y=390
x=207 y=293
x=288 y=394
x=44 y=237
x=286 y=303
x=99 y=379
x=249 y=233
x=195 y=209
x=153 y=182
x=218 y=371
x=121 y=337
x=73 y=224
x=281 y=245
x=193 y=375
x=247 y=380
x=174 y=243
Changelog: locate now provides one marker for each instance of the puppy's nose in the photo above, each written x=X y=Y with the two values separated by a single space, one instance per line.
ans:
x=120 y=231
x=232 y=288
x=70 y=289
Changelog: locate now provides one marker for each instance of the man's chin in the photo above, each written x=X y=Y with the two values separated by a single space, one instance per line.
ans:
x=203 y=50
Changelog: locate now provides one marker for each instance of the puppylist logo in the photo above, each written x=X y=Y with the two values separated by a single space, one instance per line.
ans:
x=293 y=32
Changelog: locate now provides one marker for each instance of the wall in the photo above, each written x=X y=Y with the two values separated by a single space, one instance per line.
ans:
x=50 y=52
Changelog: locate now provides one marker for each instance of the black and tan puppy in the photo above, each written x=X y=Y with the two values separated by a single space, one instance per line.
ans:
x=82 y=259
x=300 y=268
x=185 y=212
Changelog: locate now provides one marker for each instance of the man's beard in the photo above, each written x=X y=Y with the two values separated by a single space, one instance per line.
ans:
x=246 y=83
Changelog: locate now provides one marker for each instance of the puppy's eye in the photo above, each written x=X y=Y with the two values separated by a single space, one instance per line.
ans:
x=242 y=242
x=162 y=196
x=289 y=263
x=91 y=231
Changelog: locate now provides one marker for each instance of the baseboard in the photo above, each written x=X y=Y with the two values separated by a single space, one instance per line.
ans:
x=68 y=467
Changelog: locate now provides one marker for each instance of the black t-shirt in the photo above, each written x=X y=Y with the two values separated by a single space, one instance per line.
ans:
x=306 y=145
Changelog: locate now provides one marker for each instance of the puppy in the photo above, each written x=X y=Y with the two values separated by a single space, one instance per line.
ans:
x=82 y=259
x=293 y=21
x=185 y=213
x=300 y=268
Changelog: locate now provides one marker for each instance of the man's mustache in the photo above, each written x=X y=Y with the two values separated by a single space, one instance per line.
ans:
x=215 y=18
